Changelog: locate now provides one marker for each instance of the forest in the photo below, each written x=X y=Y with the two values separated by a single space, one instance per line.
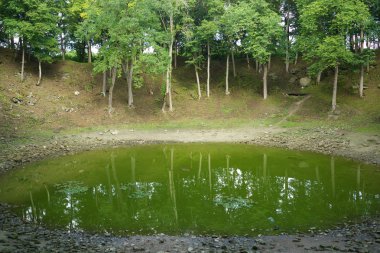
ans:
x=131 y=37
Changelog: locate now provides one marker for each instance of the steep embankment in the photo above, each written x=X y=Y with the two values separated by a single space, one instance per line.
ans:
x=69 y=97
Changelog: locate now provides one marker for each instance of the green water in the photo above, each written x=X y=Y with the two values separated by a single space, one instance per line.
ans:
x=224 y=189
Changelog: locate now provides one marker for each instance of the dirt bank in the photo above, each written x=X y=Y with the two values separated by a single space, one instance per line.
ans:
x=358 y=236
x=334 y=141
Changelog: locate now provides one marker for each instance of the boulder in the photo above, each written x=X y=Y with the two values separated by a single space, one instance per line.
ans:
x=305 y=81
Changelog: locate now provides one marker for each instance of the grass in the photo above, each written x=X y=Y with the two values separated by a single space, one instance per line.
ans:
x=244 y=107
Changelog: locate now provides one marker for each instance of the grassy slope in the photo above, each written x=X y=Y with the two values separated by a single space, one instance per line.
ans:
x=244 y=107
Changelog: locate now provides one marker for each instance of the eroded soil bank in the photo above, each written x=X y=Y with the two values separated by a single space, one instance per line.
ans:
x=357 y=236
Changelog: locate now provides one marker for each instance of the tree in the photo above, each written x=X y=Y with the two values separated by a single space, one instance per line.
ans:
x=17 y=24
x=333 y=53
x=208 y=29
x=262 y=30
x=325 y=27
x=167 y=12
x=192 y=49
x=43 y=18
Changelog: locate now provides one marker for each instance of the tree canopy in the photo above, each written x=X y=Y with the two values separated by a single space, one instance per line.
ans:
x=134 y=35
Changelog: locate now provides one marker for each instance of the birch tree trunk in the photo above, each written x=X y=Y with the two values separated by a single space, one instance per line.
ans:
x=22 y=62
x=113 y=79
x=335 y=88
x=39 y=73
x=287 y=42
x=265 y=75
x=208 y=70
x=130 y=82
x=63 y=49
x=104 y=89
x=233 y=63
x=227 y=70
x=319 y=77
x=168 y=93
x=269 y=62
x=361 y=85
x=198 y=83
x=248 y=64
x=175 y=55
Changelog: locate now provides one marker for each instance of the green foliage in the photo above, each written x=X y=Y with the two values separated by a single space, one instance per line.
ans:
x=260 y=27
x=325 y=27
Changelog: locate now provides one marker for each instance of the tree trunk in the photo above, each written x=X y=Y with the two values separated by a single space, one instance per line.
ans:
x=18 y=47
x=63 y=50
x=227 y=70
x=124 y=66
x=265 y=89
x=208 y=70
x=287 y=60
x=168 y=93
x=296 y=59
x=356 y=43
x=335 y=88
x=171 y=60
x=248 y=64
x=233 y=62
x=175 y=56
x=130 y=82
x=287 y=42
x=269 y=62
x=104 y=89
x=22 y=62
x=39 y=73
x=89 y=51
x=12 y=42
x=361 y=85
x=198 y=83
x=319 y=77
x=257 y=66
x=110 y=108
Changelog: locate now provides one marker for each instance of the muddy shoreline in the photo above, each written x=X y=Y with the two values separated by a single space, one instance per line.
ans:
x=356 y=236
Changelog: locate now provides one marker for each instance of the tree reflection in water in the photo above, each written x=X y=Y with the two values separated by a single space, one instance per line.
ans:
x=165 y=188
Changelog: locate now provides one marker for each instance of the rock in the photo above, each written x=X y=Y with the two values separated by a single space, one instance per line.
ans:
x=76 y=93
x=31 y=100
x=114 y=132
x=16 y=100
x=305 y=81
x=260 y=241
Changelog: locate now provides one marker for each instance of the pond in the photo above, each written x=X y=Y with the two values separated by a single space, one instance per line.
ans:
x=201 y=189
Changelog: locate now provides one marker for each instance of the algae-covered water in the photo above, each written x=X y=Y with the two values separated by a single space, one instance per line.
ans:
x=224 y=189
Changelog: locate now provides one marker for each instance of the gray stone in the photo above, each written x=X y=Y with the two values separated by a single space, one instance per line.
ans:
x=305 y=81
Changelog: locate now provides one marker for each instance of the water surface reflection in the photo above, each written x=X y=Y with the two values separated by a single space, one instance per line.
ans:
x=202 y=189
